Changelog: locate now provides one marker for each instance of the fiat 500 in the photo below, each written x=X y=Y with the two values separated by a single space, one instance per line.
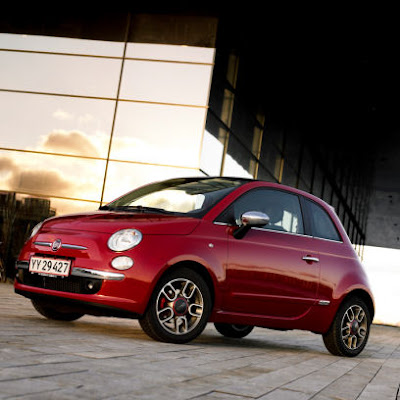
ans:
x=181 y=253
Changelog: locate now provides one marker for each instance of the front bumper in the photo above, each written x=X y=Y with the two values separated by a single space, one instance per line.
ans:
x=80 y=281
x=83 y=287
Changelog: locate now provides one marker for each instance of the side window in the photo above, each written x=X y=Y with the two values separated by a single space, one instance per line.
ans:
x=282 y=208
x=321 y=223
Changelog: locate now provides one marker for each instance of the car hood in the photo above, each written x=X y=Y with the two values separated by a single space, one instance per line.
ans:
x=111 y=221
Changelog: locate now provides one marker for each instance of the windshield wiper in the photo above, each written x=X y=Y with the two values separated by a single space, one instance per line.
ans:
x=136 y=208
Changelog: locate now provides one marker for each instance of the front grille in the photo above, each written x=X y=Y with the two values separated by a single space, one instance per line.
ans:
x=70 y=284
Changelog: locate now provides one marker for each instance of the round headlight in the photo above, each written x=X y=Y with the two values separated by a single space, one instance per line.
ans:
x=124 y=239
x=36 y=229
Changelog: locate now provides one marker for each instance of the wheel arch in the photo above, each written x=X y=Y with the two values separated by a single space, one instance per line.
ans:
x=363 y=295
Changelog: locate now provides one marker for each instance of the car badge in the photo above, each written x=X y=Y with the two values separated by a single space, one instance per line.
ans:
x=56 y=244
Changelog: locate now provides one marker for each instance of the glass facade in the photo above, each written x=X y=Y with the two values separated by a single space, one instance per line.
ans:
x=247 y=138
x=83 y=121
x=91 y=109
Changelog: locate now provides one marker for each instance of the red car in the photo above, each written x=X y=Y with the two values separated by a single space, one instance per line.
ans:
x=180 y=253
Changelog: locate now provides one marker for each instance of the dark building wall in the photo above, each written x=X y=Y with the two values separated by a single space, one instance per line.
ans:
x=383 y=229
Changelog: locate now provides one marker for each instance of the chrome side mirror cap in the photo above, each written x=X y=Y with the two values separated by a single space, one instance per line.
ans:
x=254 y=218
x=248 y=220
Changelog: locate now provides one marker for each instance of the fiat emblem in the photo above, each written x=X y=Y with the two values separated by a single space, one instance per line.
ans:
x=56 y=244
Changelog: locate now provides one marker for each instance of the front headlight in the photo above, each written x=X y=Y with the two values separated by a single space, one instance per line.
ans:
x=36 y=229
x=124 y=239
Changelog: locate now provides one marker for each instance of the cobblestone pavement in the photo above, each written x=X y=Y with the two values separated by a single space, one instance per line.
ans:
x=110 y=358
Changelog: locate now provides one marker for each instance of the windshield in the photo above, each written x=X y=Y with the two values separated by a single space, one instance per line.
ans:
x=193 y=196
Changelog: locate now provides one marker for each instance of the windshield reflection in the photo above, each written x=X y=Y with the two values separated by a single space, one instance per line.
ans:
x=194 y=196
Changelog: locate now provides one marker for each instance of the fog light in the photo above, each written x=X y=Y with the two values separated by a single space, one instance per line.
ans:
x=122 y=263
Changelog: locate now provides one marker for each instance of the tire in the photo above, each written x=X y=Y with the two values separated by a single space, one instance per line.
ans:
x=179 y=307
x=233 y=330
x=349 y=331
x=55 y=312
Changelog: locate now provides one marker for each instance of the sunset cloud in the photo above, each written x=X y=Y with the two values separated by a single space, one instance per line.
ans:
x=70 y=142
x=62 y=115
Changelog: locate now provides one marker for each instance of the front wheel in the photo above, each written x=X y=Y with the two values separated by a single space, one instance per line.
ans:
x=349 y=331
x=179 y=308
x=233 y=330
x=55 y=312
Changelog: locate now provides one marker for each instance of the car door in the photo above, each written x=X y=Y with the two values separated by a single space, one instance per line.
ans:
x=272 y=271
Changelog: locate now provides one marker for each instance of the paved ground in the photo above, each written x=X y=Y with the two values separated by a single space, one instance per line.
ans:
x=109 y=358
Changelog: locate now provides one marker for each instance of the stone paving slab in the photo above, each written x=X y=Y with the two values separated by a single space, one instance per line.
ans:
x=111 y=358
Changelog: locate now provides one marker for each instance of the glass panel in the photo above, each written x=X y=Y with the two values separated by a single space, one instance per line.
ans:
x=327 y=196
x=170 y=52
x=124 y=177
x=306 y=171
x=51 y=175
x=61 y=45
x=62 y=206
x=158 y=134
x=211 y=155
x=335 y=202
x=322 y=225
x=318 y=181
x=194 y=196
x=271 y=158
x=274 y=134
x=55 y=124
x=265 y=175
x=282 y=208
x=237 y=160
x=49 y=73
x=289 y=176
x=20 y=213
x=292 y=149
x=166 y=82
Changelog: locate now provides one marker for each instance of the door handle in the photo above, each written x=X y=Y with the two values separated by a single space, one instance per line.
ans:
x=310 y=259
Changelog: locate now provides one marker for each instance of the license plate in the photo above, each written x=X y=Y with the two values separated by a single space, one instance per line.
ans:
x=49 y=266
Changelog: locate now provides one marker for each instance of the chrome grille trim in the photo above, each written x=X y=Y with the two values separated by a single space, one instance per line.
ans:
x=63 y=245
x=46 y=244
x=73 y=246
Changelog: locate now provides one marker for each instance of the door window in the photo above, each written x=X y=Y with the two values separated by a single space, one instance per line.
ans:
x=282 y=208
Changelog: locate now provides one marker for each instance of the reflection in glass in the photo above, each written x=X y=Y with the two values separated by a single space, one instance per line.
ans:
x=51 y=175
x=265 y=175
x=166 y=52
x=272 y=158
x=62 y=74
x=55 y=124
x=166 y=82
x=289 y=176
x=327 y=193
x=124 y=177
x=211 y=154
x=237 y=160
x=306 y=170
x=61 y=45
x=158 y=134
x=20 y=213
x=318 y=182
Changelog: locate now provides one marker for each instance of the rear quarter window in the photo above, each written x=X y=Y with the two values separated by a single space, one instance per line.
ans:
x=322 y=225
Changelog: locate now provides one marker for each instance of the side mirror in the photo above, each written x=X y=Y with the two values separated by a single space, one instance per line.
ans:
x=248 y=220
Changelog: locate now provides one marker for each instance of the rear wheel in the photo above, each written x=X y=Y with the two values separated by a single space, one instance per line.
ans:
x=233 y=330
x=349 y=331
x=179 y=308
x=56 y=312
